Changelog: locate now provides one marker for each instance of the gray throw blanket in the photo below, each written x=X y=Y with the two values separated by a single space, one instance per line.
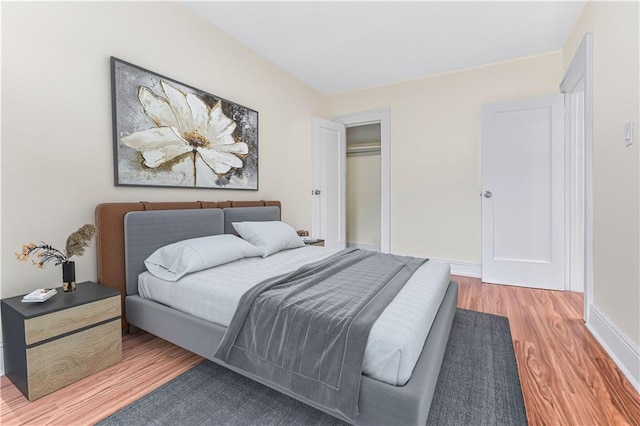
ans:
x=307 y=331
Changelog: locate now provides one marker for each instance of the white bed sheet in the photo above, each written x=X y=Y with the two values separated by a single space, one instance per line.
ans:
x=396 y=338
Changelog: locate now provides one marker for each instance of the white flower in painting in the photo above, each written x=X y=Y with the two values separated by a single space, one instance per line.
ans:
x=185 y=123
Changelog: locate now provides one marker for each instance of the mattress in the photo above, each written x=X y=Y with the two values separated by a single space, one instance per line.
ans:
x=395 y=341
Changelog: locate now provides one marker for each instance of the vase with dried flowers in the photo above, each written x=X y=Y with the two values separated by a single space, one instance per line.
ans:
x=44 y=253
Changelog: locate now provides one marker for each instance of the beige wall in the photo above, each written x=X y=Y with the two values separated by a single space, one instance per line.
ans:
x=57 y=160
x=363 y=199
x=57 y=142
x=435 y=149
x=616 y=168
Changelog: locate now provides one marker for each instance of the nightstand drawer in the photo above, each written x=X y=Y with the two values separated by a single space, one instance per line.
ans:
x=55 y=364
x=54 y=324
x=70 y=336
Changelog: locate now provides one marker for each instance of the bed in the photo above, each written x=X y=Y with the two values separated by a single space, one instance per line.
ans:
x=143 y=230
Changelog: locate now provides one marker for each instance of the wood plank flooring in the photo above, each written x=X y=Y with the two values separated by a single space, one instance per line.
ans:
x=566 y=376
x=147 y=363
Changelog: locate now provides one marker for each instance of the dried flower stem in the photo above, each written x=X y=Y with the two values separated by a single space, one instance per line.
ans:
x=78 y=242
x=45 y=253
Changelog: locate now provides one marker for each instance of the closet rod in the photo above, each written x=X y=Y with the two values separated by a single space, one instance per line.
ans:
x=363 y=148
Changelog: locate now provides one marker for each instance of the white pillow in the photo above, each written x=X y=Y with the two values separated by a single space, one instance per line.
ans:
x=173 y=261
x=270 y=237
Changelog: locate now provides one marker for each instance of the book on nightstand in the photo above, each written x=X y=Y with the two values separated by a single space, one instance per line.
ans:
x=39 y=295
x=311 y=241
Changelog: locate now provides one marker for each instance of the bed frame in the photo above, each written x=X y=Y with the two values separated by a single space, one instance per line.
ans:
x=142 y=230
x=110 y=237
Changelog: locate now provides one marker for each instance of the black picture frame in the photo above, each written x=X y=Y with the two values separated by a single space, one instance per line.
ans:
x=169 y=134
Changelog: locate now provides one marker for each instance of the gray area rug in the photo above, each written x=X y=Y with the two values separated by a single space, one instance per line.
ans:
x=478 y=385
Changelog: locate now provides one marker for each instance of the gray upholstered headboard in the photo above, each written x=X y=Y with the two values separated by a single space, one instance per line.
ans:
x=147 y=231
x=248 y=214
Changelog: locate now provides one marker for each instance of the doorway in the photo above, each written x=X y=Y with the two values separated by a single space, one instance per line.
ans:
x=363 y=187
x=328 y=206
x=577 y=85
x=381 y=117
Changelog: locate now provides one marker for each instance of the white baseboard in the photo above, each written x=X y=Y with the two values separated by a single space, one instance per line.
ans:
x=370 y=247
x=624 y=352
x=466 y=269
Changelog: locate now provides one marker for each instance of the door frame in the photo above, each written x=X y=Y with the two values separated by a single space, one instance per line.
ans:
x=382 y=116
x=579 y=78
x=575 y=192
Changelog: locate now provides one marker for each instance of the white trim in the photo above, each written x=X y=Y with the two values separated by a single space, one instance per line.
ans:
x=624 y=352
x=370 y=247
x=575 y=190
x=581 y=71
x=465 y=269
x=382 y=116
x=1 y=358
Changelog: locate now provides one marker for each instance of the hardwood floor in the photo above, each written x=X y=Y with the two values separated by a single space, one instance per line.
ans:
x=147 y=363
x=566 y=376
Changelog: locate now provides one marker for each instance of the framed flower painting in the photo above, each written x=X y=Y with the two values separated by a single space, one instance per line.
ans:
x=169 y=134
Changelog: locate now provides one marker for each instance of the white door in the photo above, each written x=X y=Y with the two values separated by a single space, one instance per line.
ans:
x=523 y=192
x=329 y=152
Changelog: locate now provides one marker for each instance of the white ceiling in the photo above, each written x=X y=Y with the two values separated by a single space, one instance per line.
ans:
x=343 y=46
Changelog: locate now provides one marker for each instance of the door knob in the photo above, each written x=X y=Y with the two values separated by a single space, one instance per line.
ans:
x=487 y=194
x=315 y=192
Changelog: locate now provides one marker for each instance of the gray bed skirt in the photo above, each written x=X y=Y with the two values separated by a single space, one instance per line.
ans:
x=379 y=403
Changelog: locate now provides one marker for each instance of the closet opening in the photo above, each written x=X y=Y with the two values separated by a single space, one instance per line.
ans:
x=363 y=186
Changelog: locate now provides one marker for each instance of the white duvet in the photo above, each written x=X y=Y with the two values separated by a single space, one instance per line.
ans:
x=396 y=338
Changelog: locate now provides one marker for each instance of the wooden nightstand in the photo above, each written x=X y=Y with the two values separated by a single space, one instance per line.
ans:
x=316 y=242
x=51 y=344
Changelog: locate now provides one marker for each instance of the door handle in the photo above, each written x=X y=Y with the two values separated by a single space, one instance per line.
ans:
x=315 y=192
x=487 y=194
